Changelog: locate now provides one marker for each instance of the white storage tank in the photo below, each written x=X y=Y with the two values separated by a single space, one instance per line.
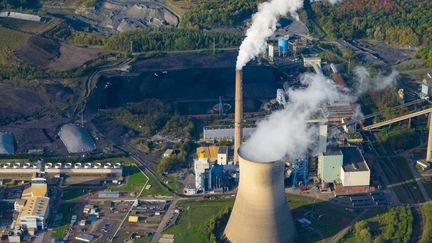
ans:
x=7 y=165
x=58 y=165
x=68 y=165
x=107 y=165
x=87 y=165
x=48 y=165
x=117 y=165
x=77 y=165
x=97 y=165
x=26 y=165
x=16 y=165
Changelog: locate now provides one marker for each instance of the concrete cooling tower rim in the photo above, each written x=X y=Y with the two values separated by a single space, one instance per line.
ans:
x=245 y=156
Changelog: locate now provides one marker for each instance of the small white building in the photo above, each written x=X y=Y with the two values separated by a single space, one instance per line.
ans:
x=222 y=156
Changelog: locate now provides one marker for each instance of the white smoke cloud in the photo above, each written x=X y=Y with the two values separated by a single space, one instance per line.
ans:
x=263 y=26
x=287 y=132
x=365 y=83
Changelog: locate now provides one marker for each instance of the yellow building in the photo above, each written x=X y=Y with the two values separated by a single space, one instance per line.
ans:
x=210 y=152
x=133 y=219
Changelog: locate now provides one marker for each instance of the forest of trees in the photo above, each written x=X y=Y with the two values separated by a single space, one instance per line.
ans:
x=398 y=22
x=15 y=4
x=393 y=226
x=164 y=39
x=212 y=14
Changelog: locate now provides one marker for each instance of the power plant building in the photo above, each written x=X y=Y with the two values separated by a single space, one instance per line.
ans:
x=329 y=166
x=355 y=171
x=33 y=207
x=7 y=143
x=210 y=165
x=346 y=168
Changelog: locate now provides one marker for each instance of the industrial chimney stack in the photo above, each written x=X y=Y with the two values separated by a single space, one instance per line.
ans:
x=260 y=212
x=238 y=129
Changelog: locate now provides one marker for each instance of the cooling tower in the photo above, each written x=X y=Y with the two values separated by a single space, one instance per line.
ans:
x=260 y=213
x=238 y=116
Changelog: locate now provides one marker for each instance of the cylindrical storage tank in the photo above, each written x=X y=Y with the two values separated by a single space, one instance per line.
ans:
x=48 y=165
x=87 y=165
x=283 y=44
x=97 y=165
x=77 y=165
x=58 y=165
x=68 y=165
x=16 y=165
x=117 y=165
x=107 y=165
x=6 y=165
x=26 y=165
x=260 y=212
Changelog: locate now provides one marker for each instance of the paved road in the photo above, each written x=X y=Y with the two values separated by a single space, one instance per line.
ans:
x=165 y=220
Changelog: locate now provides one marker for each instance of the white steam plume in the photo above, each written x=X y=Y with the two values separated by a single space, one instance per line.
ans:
x=263 y=26
x=366 y=83
x=287 y=132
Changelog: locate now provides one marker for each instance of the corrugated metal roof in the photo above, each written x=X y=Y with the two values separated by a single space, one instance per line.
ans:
x=225 y=132
x=7 y=145
x=76 y=139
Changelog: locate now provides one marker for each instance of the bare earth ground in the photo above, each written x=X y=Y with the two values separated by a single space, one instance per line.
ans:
x=72 y=57
x=391 y=55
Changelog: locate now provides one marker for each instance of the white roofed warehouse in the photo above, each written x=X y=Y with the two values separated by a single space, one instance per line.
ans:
x=7 y=143
x=76 y=139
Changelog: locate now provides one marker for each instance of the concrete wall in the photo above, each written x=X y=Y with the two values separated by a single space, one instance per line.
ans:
x=356 y=178
x=260 y=212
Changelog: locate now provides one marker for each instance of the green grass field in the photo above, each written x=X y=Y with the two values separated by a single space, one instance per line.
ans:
x=136 y=180
x=426 y=211
x=192 y=226
x=327 y=218
x=67 y=210
x=156 y=189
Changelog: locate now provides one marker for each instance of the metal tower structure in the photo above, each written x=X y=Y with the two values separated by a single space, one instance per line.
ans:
x=299 y=172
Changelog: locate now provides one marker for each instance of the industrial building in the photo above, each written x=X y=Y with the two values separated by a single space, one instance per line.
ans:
x=216 y=133
x=33 y=207
x=210 y=167
x=7 y=143
x=329 y=166
x=345 y=168
x=75 y=173
x=76 y=139
x=426 y=87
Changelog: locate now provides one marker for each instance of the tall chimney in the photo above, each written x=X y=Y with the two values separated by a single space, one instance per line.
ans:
x=260 y=212
x=238 y=117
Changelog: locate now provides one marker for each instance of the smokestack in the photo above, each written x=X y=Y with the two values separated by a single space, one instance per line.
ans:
x=260 y=212
x=238 y=117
